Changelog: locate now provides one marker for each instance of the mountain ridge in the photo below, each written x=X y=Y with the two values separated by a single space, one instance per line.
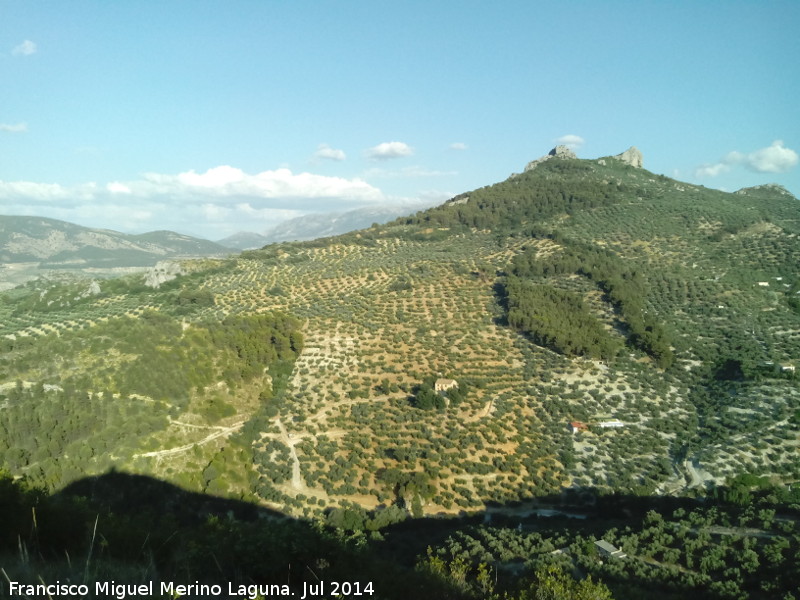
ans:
x=30 y=246
x=24 y=239
x=319 y=225
x=580 y=284
x=583 y=338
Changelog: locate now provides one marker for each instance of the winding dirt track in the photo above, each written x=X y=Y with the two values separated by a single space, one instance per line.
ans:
x=225 y=431
x=298 y=483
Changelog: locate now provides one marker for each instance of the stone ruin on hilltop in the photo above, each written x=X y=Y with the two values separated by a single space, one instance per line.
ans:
x=632 y=156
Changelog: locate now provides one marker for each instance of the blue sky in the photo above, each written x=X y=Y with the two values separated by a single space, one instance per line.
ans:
x=213 y=117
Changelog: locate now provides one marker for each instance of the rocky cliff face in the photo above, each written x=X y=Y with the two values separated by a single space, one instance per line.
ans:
x=558 y=152
x=165 y=270
x=632 y=156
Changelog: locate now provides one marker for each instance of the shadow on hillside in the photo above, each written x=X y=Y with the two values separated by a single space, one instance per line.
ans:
x=124 y=493
x=501 y=297
x=160 y=508
x=134 y=529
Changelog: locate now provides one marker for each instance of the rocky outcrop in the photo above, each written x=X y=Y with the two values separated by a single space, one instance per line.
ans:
x=92 y=290
x=562 y=152
x=632 y=156
x=165 y=270
x=557 y=152
x=773 y=189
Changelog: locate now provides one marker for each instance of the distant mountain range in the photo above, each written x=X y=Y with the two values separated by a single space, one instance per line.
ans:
x=29 y=245
x=313 y=226
x=58 y=244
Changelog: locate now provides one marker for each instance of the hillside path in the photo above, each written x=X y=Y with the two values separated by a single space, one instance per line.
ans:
x=170 y=451
x=298 y=483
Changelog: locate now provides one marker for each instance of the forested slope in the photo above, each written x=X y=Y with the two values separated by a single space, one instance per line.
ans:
x=660 y=319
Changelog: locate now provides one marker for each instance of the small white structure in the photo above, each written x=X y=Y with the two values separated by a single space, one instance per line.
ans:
x=611 y=423
x=576 y=426
x=787 y=368
x=442 y=385
x=763 y=283
x=607 y=549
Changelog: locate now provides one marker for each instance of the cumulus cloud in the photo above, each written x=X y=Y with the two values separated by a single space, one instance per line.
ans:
x=389 y=150
x=115 y=187
x=217 y=202
x=280 y=184
x=223 y=182
x=26 y=48
x=325 y=152
x=775 y=158
x=46 y=193
x=571 y=141
x=15 y=128
x=458 y=146
x=709 y=170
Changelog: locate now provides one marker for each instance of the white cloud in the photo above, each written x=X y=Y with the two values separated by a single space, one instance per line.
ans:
x=711 y=170
x=775 y=158
x=280 y=184
x=213 y=204
x=115 y=187
x=223 y=182
x=44 y=193
x=571 y=140
x=389 y=150
x=325 y=152
x=458 y=146
x=26 y=48
x=15 y=128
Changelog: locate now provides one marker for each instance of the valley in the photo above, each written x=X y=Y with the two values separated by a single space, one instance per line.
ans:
x=609 y=332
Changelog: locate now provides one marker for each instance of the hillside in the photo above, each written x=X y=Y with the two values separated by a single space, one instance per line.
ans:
x=29 y=245
x=592 y=329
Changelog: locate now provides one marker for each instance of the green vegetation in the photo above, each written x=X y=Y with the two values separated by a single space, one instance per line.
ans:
x=116 y=386
x=299 y=377
x=623 y=287
x=134 y=529
x=558 y=319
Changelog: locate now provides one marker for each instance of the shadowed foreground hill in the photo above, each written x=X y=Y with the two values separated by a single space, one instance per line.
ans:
x=133 y=530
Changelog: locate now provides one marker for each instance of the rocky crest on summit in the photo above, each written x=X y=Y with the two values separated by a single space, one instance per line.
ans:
x=557 y=152
x=767 y=188
x=632 y=156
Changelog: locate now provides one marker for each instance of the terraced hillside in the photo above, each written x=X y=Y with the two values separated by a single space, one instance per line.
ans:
x=690 y=296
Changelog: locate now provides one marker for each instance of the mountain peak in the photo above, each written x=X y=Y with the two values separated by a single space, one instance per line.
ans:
x=632 y=156
x=560 y=151
x=770 y=188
